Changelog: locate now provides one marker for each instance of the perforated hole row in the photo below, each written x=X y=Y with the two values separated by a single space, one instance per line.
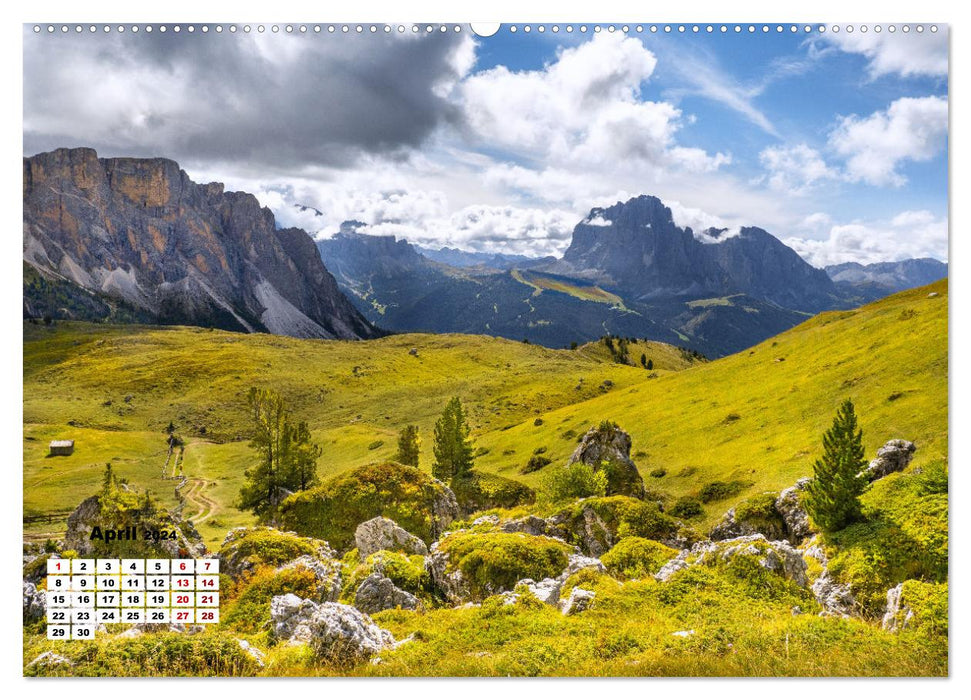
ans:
x=513 y=28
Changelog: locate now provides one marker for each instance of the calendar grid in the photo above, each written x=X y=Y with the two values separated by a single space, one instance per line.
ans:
x=84 y=594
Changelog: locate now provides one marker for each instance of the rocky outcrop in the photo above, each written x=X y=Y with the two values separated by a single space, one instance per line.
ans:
x=384 y=534
x=452 y=584
x=835 y=598
x=789 y=506
x=245 y=548
x=776 y=556
x=252 y=652
x=337 y=633
x=377 y=593
x=894 y=456
x=607 y=448
x=140 y=231
x=35 y=603
x=897 y=616
x=49 y=661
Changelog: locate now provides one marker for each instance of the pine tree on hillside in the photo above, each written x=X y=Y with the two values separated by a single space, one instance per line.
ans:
x=833 y=496
x=452 y=448
x=409 y=445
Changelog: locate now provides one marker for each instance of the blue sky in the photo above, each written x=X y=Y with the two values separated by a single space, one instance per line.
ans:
x=834 y=142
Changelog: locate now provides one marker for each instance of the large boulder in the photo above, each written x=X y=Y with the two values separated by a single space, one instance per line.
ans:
x=377 y=593
x=894 y=456
x=326 y=573
x=834 y=597
x=607 y=448
x=596 y=524
x=578 y=601
x=382 y=533
x=753 y=516
x=420 y=504
x=246 y=548
x=337 y=633
x=480 y=490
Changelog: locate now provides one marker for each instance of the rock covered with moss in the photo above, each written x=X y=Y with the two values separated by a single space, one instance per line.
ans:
x=478 y=490
x=35 y=603
x=740 y=554
x=607 y=448
x=755 y=515
x=468 y=566
x=836 y=598
x=420 y=504
x=795 y=517
x=597 y=524
x=636 y=558
x=246 y=548
x=381 y=533
x=917 y=606
x=405 y=571
x=579 y=600
x=335 y=632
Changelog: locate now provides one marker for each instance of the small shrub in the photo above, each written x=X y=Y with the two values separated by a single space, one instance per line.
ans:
x=539 y=451
x=636 y=557
x=535 y=463
x=577 y=480
x=687 y=507
x=569 y=434
x=659 y=473
x=538 y=422
x=375 y=445
x=720 y=490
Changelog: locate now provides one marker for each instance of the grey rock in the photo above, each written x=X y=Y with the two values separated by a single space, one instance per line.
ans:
x=894 y=456
x=451 y=583
x=546 y=591
x=486 y=520
x=578 y=562
x=611 y=445
x=236 y=561
x=672 y=566
x=835 y=598
x=377 y=593
x=777 y=556
x=530 y=524
x=327 y=573
x=35 y=603
x=385 y=534
x=794 y=514
x=579 y=600
x=335 y=632
x=251 y=651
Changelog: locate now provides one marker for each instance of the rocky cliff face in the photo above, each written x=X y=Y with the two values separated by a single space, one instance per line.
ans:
x=636 y=247
x=876 y=280
x=140 y=231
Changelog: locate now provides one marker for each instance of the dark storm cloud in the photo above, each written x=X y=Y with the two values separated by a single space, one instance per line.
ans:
x=274 y=100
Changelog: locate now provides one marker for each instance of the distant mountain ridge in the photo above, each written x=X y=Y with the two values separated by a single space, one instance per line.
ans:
x=139 y=231
x=466 y=258
x=876 y=280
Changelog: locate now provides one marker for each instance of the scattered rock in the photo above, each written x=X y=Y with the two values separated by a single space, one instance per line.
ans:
x=546 y=591
x=452 y=584
x=377 y=593
x=35 y=603
x=486 y=520
x=894 y=456
x=776 y=556
x=683 y=633
x=413 y=352
x=335 y=632
x=834 y=597
x=242 y=551
x=580 y=600
x=382 y=533
x=673 y=566
x=578 y=562
x=932 y=295
x=607 y=447
x=530 y=524
x=251 y=651
x=49 y=660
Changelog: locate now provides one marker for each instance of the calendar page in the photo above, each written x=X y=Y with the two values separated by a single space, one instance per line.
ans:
x=521 y=349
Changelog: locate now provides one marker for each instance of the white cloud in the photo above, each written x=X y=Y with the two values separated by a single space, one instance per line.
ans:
x=911 y=128
x=584 y=109
x=795 y=170
x=909 y=234
x=905 y=54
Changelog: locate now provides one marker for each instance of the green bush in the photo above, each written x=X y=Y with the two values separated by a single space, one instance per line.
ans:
x=495 y=562
x=535 y=463
x=333 y=510
x=479 y=490
x=720 y=490
x=659 y=473
x=249 y=609
x=687 y=507
x=577 y=480
x=636 y=557
x=759 y=513
x=927 y=604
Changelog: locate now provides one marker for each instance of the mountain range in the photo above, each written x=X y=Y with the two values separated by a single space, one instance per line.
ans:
x=129 y=239
x=99 y=232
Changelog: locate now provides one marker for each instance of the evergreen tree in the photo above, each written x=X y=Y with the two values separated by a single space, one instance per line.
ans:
x=453 y=448
x=643 y=360
x=650 y=364
x=287 y=459
x=409 y=445
x=833 y=496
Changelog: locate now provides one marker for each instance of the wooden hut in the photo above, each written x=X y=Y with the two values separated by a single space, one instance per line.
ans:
x=62 y=448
